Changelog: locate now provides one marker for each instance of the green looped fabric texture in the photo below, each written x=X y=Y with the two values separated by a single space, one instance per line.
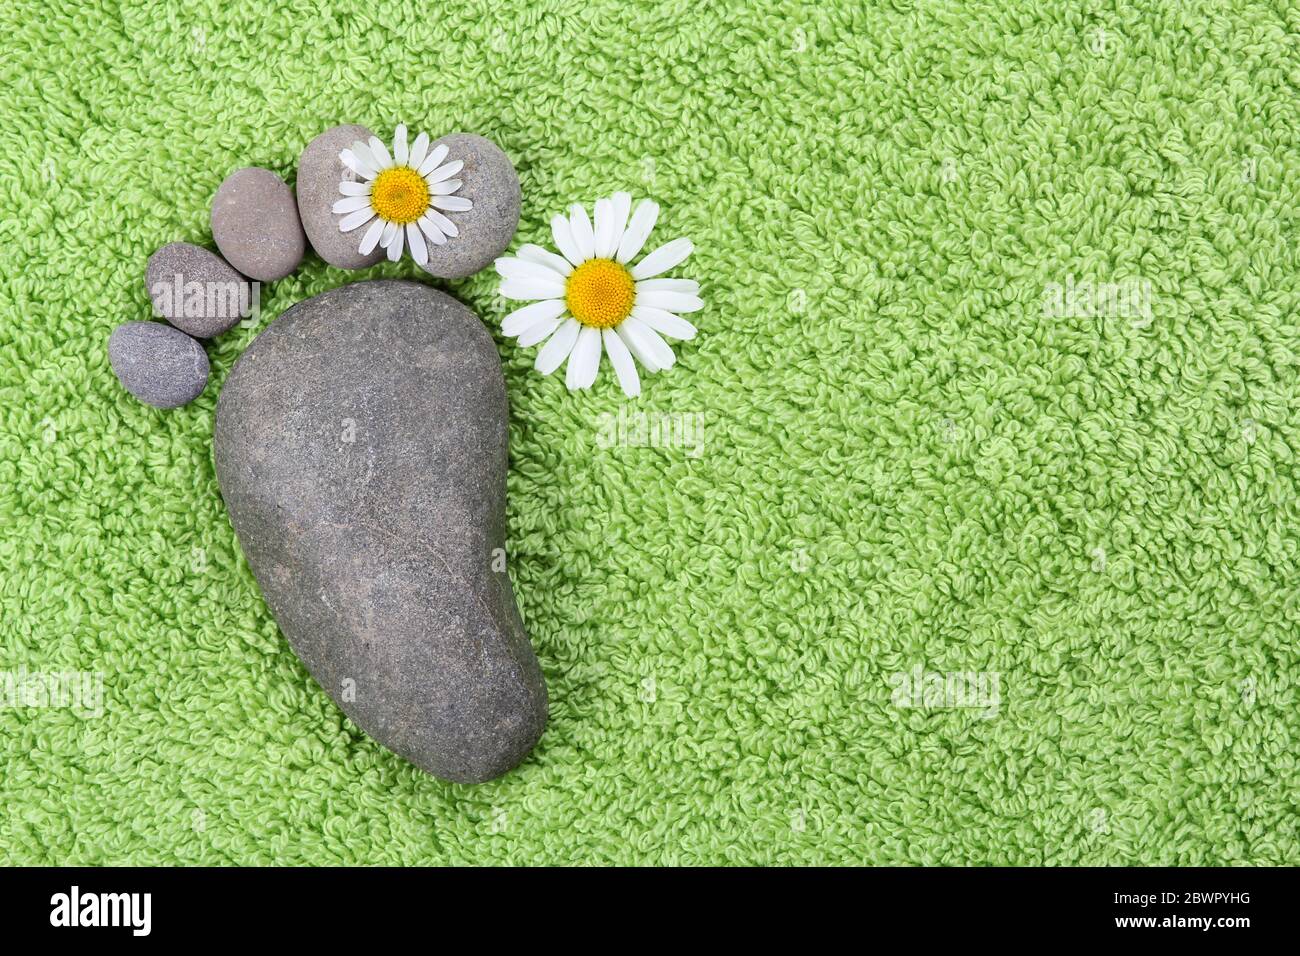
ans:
x=964 y=532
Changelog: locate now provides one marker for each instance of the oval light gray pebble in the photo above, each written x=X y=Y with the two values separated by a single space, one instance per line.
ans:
x=361 y=449
x=256 y=226
x=196 y=290
x=158 y=364
x=319 y=175
x=491 y=183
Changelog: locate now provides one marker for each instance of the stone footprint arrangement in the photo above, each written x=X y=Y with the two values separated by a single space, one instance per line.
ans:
x=361 y=450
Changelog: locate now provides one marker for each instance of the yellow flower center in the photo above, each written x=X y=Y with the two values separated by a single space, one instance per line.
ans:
x=600 y=293
x=399 y=195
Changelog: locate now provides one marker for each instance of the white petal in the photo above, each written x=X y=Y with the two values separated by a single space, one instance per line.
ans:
x=430 y=229
x=645 y=343
x=363 y=154
x=395 y=247
x=621 y=359
x=349 y=188
x=664 y=258
x=371 y=238
x=593 y=365
x=669 y=301
x=442 y=222
x=445 y=188
x=352 y=161
x=563 y=235
x=663 y=322
x=356 y=219
x=638 y=230
x=584 y=361
x=521 y=320
x=444 y=172
x=433 y=159
x=534 y=253
x=555 y=351
x=380 y=152
x=622 y=206
x=526 y=290
x=390 y=230
x=583 y=236
x=537 y=332
x=350 y=204
x=634 y=345
x=605 y=244
x=511 y=268
x=399 y=145
x=451 y=203
x=419 y=149
x=419 y=251
x=664 y=355
x=689 y=286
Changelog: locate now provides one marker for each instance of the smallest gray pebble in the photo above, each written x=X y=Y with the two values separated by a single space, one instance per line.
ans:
x=158 y=364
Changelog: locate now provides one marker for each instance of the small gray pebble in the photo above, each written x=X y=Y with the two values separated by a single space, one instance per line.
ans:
x=319 y=175
x=256 y=226
x=158 y=364
x=196 y=290
x=492 y=185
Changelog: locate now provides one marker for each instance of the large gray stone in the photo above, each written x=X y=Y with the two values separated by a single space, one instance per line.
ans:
x=158 y=364
x=492 y=185
x=361 y=447
x=196 y=290
x=319 y=175
x=256 y=226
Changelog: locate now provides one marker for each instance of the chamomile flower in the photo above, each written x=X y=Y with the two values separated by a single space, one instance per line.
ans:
x=593 y=299
x=400 y=195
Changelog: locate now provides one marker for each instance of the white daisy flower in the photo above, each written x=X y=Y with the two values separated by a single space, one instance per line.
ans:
x=592 y=296
x=400 y=195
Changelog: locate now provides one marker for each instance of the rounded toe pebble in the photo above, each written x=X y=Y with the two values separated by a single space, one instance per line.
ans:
x=158 y=364
x=221 y=298
x=319 y=173
x=492 y=185
x=256 y=226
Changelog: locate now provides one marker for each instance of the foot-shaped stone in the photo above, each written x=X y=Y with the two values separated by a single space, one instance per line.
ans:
x=361 y=448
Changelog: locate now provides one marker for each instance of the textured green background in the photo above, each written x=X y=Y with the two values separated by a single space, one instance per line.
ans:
x=906 y=462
